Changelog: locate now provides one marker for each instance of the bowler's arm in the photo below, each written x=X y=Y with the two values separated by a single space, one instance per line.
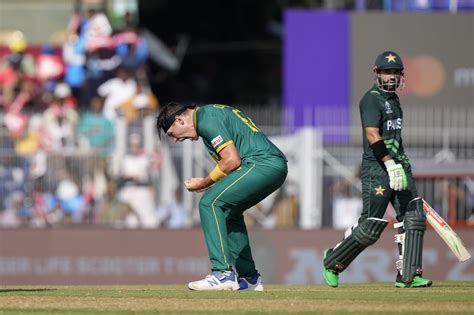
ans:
x=230 y=161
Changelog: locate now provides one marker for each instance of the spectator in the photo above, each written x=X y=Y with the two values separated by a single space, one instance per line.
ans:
x=49 y=66
x=16 y=91
x=75 y=59
x=285 y=206
x=17 y=46
x=116 y=213
x=98 y=132
x=100 y=65
x=141 y=104
x=13 y=172
x=173 y=215
x=97 y=30
x=135 y=184
x=55 y=214
x=98 y=138
x=70 y=199
x=11 y=77
x=30 y=141
x=14 y=214
x=60 y=120
x=132 y=49
x=116 y=91
x=347 y=205
x=39 y=206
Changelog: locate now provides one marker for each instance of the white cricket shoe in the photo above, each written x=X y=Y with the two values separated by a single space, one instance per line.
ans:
x=254 y=284
x=216 y=281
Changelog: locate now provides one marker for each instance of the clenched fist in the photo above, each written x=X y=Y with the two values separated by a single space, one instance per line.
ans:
x=198 y=184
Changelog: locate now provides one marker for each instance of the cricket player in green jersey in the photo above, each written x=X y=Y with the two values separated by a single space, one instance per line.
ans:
x=386 y=177
x=249 y=168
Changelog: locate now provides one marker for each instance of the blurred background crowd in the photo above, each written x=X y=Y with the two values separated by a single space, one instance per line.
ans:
x=77 y=111
x=60 y=107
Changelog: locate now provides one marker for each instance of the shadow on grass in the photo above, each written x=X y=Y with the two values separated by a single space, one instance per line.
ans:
x=26 y=290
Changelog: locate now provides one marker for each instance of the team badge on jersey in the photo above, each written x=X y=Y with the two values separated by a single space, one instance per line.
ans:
x=216 y=141
x=379 y=190
x=388 y=108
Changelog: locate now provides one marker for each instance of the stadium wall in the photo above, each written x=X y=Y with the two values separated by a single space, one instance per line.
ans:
x=100 y=256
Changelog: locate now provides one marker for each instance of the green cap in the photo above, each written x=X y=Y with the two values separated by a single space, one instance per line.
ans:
x=388 y=60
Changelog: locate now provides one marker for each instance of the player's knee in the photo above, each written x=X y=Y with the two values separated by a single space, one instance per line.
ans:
x=356 y=239
x=415 y=218
x=369 y=231
x=415 y=205
x=205 y=203
x=234 y=216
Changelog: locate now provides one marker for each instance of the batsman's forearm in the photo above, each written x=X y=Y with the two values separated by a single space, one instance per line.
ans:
x=376 y=143
x=381 y=151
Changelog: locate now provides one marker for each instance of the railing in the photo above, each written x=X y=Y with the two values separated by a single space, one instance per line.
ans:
x=451 y=194
x=442 y=159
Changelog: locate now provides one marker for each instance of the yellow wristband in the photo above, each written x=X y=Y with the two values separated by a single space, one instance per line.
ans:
x=217 y=174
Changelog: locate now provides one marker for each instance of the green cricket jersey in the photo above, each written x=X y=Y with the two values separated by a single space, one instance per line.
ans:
x=221 y=125
x=382 y=110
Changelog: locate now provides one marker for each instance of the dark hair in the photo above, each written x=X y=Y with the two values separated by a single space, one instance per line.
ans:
x=168 y=114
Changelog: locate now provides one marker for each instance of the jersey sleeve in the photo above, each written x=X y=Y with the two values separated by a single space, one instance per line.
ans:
x=213 y=129
x=370 y=113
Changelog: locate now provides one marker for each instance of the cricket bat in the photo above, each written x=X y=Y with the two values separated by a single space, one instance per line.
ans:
x=450 y=237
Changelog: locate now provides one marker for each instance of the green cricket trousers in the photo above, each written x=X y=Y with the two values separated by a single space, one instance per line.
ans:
x=221 y=211
x=376 y=191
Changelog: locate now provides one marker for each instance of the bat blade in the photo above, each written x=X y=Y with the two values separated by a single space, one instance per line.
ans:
x=448 y=235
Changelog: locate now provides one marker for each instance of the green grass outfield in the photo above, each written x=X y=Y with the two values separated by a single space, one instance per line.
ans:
x=447 y=297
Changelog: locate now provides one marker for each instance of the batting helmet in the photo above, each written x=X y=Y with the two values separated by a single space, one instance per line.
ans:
x=388 y=60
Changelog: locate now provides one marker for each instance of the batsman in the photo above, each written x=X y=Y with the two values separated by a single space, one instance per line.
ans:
x=386 y=177
x=249 y=167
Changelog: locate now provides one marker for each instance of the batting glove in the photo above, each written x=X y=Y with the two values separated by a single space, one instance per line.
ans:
x=398 y=177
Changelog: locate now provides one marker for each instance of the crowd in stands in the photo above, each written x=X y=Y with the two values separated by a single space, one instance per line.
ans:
x=62 y=160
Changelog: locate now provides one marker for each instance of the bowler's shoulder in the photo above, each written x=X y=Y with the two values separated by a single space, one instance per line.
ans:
x=211 y=115
x=212 y=108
